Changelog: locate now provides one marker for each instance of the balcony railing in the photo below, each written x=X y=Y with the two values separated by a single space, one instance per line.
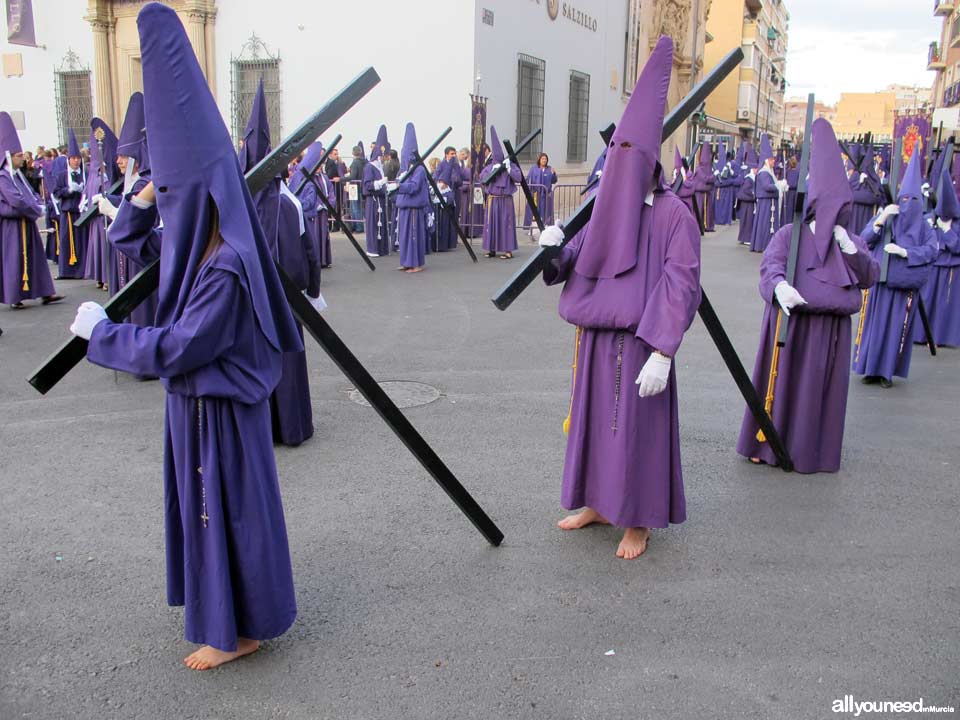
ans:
x=935 y=58
x=943 y=7
x=951 y=95
x=955 y=32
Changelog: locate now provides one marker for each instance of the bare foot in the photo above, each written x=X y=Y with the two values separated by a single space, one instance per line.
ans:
x=634 y=543
x=587 y=516
x=207 y=658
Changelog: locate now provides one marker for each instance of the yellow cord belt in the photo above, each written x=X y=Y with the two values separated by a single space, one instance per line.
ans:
x=863 y=317
x=23 y=235
x=573 y=383
x=73 y=250
x=772 y=380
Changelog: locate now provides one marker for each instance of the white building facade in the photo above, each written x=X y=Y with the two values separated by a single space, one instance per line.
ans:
x=564 y=66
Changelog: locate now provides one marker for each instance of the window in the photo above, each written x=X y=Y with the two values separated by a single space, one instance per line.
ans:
x=631 y=47
x=74 y=103
x=255 y=62
x=530 y=83
x=578 y=117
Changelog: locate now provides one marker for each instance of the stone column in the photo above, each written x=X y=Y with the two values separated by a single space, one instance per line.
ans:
x=103 y=89
x=211 y=65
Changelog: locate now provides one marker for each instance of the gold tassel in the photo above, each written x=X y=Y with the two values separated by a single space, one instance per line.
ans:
x=863 y=317
x=573 y=384
x=23 y=233
x=73 y=250
x=771 y=382
x=56 y=226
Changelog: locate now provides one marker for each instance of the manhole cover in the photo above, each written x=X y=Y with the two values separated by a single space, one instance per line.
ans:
x=405 y=393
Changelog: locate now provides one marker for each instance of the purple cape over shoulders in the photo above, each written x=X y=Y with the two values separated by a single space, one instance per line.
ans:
x=20 y=243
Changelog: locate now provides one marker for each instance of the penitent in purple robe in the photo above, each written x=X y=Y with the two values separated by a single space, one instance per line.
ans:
x=471 y=213
x=448 y=173
x=376 y=223
x=705 y=185
x=68 y=189
x=24 y=273
x=766 y=218
x=885 y=345
x=222 y=327
x=631 y=286
x=541 y=181
x=940 y=298
x=500 y=222
x=133 y=244
x=50 y=170
x=746 y=209
x=790 y=197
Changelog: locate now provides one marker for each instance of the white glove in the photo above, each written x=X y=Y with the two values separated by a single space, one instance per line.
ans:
x=895 y=249
x=843 y=240
x=863 y=178
x=925 y=189
x=654 y=375
x=599 y=172
x=95 y=199
x=945 y=225
x=392 y=186
x=506 y=164
x=887 y=212
x=787 y=296
x=431 y=219
x=552 y=236
x=319 y=304
x=106 y=208
x=377 y=184
x=89 y=315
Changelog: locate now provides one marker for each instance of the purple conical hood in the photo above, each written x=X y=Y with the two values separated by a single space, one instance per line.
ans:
x=909 y=229
x=199 y=183
x=73 y=149
x=381 y=145
x=105 y=163
x=947 y=205
x=628 y=173
x=829 y=201
x=363 y=153
x=751 y=160
x=256 y=138
x=409 y=147
x=721 y=157
x=677 y=158
x=706 y=159
x=766 y=151
x=9 y=138
x=133 y=139
x=311 y=156
x=496 y=149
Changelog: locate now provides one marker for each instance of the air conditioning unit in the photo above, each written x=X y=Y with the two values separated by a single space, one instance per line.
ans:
x=743 y=114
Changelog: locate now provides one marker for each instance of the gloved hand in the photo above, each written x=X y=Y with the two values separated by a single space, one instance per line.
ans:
x=95 y=199
x=863 y=178
x=319 y=304
x=89 y=315
x=392 y=186
x=787 y=297
x=945 y=225
x=377 y=184
x=552 y=236
x=888 y=211
x=843 y=240
x=599 y=173
x=654 y=375
x=506 y=164
x=106 y=208
x=925 y=189
x=895 y=249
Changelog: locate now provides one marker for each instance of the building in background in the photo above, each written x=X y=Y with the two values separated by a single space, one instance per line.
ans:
x=749 y=102
x=943 y=57
x=862 y=113
x=795 y=118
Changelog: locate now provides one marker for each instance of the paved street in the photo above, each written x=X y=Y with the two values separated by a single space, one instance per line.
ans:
x=780 y=593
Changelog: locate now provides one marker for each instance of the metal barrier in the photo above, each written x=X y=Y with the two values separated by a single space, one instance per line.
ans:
x=565 y=200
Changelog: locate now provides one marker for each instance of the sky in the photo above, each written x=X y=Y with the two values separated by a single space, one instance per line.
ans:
x=858 y=46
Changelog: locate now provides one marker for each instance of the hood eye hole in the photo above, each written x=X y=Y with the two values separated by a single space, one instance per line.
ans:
x=626 y=145
x=162 y=188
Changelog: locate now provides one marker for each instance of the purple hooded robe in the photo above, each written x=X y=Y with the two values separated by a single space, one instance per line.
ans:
x=376 y=216
x=884 y=346
x=500 y=224
x=631 y=286
x=102 y=174
x=541 y=181
x=810 y=388
x=939 y=298
x=24 y=273
x=767 y=212
x=222 y=326
x=413 y=204
x=68 y=189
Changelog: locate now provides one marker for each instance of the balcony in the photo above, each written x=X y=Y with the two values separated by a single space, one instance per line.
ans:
x=951 y=95
x=955 y=32
x=943 y=7
x=935 y=58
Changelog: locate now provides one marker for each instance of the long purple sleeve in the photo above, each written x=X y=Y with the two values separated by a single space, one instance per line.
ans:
x=134 y=232
x=673 y=301
x=17 y=201
x=198 y=338
x=559 y=268
x=927 y=252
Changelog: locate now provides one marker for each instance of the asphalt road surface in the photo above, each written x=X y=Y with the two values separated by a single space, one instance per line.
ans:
x=781 y=592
